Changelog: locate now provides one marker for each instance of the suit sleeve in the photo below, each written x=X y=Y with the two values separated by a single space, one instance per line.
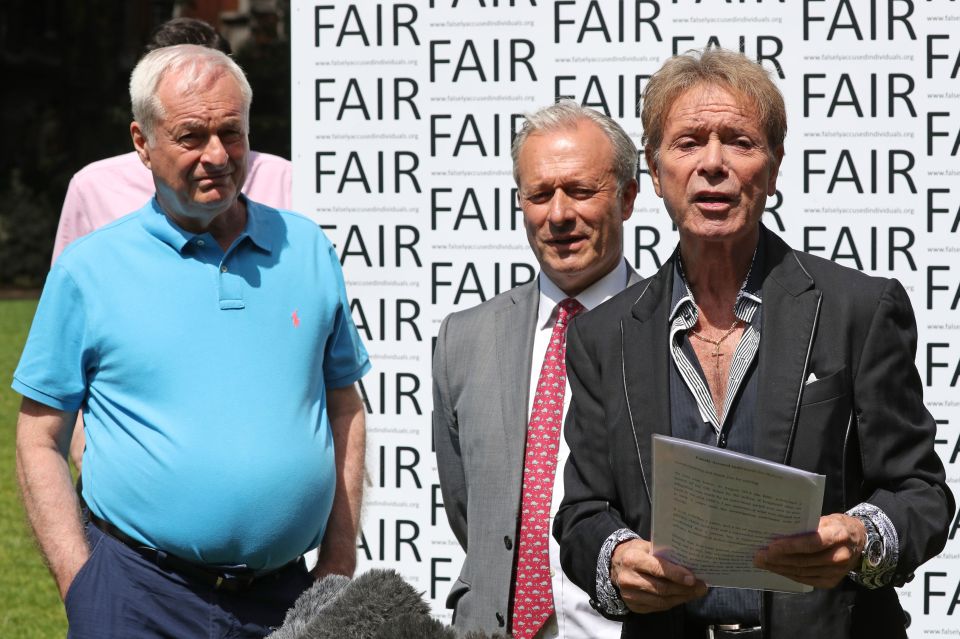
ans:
x=903 y=475
x=446 y=435
x=590 y=511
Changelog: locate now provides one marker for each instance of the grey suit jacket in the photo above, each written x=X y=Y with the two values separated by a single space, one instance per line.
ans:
x=481 y=379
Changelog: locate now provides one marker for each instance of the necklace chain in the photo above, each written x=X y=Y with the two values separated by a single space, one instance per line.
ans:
x=718 y=385
x=718 y=342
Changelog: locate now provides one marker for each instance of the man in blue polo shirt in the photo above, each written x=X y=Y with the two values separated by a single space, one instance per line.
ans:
x=208 y=341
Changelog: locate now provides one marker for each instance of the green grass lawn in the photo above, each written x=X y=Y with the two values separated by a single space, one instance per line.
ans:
x=29 y=605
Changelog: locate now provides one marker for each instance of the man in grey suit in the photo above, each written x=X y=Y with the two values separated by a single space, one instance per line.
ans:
x=575 y=170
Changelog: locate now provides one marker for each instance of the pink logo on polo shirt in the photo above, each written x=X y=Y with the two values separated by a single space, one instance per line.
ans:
x=296 y=320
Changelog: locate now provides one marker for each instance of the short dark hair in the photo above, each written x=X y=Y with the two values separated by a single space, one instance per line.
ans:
x=187 y=31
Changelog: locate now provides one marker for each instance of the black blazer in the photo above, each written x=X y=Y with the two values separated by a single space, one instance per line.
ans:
x=862 y=423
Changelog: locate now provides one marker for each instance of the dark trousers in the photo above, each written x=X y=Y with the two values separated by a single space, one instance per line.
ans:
x=118 y=593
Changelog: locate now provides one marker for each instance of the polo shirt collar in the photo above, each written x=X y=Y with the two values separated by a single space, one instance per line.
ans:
x=260 y=226
x=159 y=225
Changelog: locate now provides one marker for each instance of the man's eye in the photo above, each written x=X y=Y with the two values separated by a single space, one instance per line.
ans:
x=539 y=197
x=582 y=193
x=229 y=137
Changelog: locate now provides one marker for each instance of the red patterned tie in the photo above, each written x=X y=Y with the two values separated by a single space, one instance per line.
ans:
x=533 y=595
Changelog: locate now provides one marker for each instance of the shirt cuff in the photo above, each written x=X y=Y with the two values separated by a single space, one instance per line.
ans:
x=608 y=599
x=883 y=573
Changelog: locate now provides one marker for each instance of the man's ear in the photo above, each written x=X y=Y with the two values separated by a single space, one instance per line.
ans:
x=140 y=143
x=652 y=168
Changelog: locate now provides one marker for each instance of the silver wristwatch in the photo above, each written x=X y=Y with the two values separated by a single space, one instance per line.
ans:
x=880 y=555
x=874 y=551
x=873 y=555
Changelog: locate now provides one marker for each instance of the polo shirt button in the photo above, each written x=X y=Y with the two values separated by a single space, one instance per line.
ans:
x=223 y=269
x=201 y=243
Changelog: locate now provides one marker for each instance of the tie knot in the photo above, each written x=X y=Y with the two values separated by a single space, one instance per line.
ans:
x=568 y=309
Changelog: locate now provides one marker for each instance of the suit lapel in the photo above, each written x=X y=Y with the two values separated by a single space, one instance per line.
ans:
x=645 y=356
x=791 y=306
x=515 y=326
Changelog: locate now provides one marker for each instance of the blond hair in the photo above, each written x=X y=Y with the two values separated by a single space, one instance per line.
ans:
x=712 y=67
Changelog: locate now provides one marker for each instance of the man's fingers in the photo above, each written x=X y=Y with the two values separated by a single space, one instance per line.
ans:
x=833 y=556
x=635 y=582
x=820 y=559
x=798 y=545
x=638 y=559
x=833 y=530
x=649 y=583
x=829 y=546
x=668 y=571
x=821 y=570
x=648 y=594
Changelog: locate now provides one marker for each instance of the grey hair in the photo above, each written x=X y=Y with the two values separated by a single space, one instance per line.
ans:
x=565 y=114
x=199 y=67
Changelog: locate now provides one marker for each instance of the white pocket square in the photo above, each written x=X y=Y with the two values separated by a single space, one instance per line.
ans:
x=812 y=378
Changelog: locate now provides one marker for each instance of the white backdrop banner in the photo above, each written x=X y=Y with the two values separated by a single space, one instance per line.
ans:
x=403 y=113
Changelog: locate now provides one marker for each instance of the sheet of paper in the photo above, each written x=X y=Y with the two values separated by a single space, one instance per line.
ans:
x=714 y=508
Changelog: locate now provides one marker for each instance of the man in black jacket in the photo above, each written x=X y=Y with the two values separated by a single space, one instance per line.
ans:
x=743 y=343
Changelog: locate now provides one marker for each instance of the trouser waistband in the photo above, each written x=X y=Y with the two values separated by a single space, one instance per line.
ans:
x=216 y=578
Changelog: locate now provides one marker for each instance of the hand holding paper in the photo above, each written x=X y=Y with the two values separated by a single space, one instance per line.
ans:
x=714 y=510
x=649 y=583
x=820 y=559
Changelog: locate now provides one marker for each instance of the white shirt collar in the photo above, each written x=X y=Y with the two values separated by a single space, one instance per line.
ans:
x=594 y=295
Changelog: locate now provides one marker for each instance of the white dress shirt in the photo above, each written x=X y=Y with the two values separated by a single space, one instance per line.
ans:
x=574 y=618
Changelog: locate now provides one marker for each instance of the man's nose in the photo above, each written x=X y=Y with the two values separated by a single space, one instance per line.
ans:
x=214 y=152
x=561 y=208
x=712 y=157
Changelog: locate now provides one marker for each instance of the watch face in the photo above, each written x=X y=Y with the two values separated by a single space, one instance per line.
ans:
x=874 y=553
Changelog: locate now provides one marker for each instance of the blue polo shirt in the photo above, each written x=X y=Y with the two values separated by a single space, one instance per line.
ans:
x=202 y=377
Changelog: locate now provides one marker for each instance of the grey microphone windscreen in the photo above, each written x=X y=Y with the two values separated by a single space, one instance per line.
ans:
x=378 y=604
x=309 y=605
x=415 y=626
x=370 y=602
